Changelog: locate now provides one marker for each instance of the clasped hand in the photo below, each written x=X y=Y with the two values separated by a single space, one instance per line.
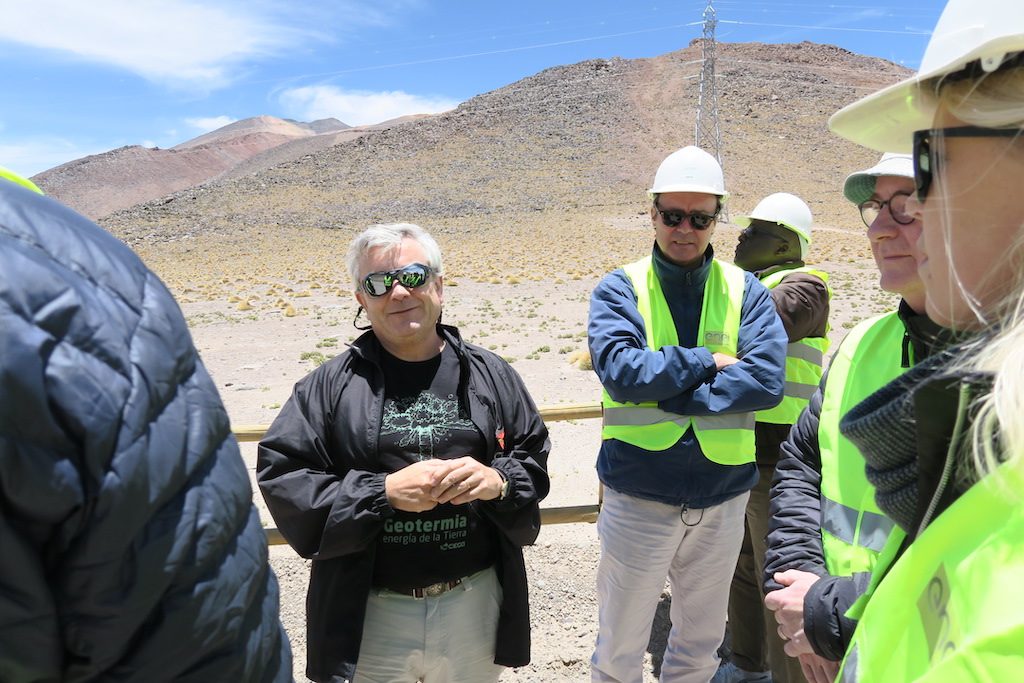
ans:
x=423 y=485
x=787 y=604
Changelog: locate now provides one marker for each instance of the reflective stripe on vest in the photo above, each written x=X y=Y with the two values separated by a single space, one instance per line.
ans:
x=843 y=522
x=725 y=439
x=804 y=361
x=944 y=611
x=853 y=529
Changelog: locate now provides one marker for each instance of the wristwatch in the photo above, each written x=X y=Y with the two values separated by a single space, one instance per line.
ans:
x=506 y=485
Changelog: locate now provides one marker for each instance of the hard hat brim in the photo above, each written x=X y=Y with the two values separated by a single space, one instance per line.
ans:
x=886 y=120
x=701 y=189
x=745 y=221
x=860 y=185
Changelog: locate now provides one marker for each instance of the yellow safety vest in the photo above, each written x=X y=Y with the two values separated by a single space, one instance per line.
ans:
x=804 y=361
x=853 y=529
x=725 y=439
x=948 y=610
x=15 y=178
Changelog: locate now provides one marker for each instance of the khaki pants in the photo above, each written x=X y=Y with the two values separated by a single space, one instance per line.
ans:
x=445 y=639
x=642 y=543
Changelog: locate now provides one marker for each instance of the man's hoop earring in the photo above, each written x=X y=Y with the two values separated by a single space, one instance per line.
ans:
x=355 y=321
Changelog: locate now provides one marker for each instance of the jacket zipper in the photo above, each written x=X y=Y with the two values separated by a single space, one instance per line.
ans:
x=951 y=452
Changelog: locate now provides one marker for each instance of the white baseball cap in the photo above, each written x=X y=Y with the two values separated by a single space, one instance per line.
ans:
x=859 y=186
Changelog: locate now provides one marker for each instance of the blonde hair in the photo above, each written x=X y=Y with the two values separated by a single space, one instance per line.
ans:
x=995 y=100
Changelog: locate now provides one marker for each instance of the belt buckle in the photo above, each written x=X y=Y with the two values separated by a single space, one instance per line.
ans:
x=436 y=589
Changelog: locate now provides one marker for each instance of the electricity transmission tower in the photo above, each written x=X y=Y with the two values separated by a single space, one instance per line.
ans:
x=708 y=134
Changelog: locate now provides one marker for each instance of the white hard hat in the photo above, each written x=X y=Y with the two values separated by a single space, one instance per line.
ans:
x=782 y=208
x=988 y=31
x=689 y=169
x=860 y=186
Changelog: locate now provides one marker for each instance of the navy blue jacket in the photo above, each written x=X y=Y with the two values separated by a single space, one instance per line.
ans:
x=682 y=379
x=130 y=549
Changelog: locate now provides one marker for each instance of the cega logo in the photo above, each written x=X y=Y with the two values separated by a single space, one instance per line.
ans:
x=716 y=339
x=940 y=629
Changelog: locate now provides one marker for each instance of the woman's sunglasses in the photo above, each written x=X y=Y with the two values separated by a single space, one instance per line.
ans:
x=411 y=276
x=673 y=217
x=925 y=163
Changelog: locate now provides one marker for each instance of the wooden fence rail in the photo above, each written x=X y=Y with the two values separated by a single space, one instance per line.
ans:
x=562 y=515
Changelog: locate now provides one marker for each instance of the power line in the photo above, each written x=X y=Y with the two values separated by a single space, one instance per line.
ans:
x=521 y=48
x=830 y=28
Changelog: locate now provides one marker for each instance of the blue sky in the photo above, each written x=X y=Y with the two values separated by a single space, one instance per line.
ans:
x=84 y=76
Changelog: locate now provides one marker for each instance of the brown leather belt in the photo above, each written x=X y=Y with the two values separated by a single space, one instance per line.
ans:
x=431 y=591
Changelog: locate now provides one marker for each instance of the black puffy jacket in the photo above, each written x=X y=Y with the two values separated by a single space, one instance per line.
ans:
x=130 y=549
x=794 y=531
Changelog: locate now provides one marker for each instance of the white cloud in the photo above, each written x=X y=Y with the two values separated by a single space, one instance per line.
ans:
x=208 y=123
x=31 y=156
x=176 y=42
x=358 y=107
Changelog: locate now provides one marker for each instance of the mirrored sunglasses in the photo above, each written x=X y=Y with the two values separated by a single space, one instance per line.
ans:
x=411 y=276
x=674 y=217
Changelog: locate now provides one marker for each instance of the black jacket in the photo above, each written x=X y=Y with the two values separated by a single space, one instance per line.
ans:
x=317 y=470
x=130 y=549
x=794 y=532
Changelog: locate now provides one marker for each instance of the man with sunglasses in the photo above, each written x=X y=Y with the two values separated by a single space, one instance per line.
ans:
x=825 y=530
x=687 y=347
x=409 y=469
x=773 y=246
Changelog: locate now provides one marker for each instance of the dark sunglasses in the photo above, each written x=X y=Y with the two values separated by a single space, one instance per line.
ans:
x=925 y=163
x=897 y=203
x=411 y=276
x=673 y=217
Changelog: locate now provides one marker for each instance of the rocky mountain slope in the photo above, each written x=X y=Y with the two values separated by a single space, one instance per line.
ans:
x=100 y=184
x=582 y=140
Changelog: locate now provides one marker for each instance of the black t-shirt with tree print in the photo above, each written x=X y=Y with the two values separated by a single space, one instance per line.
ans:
x=423 y=420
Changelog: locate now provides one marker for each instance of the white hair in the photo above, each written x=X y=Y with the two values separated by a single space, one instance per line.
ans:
x=390 y=236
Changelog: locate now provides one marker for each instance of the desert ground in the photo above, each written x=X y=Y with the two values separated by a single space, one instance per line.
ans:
x=265 y=314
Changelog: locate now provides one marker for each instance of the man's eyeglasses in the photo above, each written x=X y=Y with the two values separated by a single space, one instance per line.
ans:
x=897 y=204
x=673 y=217
x=925 y=163
x=411 y=276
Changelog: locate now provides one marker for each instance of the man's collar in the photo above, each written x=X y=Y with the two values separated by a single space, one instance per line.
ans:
x=659 y=257
x=771 y=270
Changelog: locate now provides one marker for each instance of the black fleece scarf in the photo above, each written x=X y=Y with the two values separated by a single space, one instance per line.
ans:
x=882 y=427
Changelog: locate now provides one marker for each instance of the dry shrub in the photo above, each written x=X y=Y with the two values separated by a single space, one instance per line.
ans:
x=580 y=359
